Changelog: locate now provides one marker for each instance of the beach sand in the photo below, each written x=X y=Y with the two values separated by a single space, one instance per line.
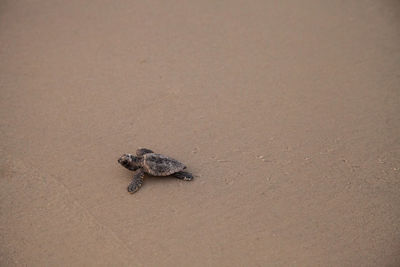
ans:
x=286 y=112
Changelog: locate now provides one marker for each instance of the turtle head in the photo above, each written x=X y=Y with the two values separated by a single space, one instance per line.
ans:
x=129 y=161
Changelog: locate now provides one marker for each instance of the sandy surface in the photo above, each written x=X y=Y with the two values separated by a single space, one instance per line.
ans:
x=286 y=112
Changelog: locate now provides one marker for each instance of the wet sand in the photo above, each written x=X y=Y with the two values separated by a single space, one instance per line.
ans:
x=286 y=112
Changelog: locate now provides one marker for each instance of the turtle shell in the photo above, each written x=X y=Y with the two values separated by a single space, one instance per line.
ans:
x=160 y=165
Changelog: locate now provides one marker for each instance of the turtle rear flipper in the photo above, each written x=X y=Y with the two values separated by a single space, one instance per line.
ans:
x=137 y=181
x=186 y=176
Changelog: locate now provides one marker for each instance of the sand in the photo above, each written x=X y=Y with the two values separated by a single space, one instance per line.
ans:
x=287 y=112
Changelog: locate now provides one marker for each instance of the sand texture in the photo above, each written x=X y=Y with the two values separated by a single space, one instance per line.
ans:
x=286 y=112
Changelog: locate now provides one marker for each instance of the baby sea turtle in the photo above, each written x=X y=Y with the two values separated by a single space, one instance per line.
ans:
x=146 y=161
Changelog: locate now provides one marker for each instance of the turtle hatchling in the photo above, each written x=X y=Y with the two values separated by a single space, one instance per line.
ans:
x=146 y=161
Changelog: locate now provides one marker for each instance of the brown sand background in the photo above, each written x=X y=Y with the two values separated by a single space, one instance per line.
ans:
x=287 y=112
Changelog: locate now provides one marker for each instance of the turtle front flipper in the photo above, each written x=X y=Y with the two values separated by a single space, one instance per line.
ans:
x=136 y=182
x=141 y=151
x=186 y=176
